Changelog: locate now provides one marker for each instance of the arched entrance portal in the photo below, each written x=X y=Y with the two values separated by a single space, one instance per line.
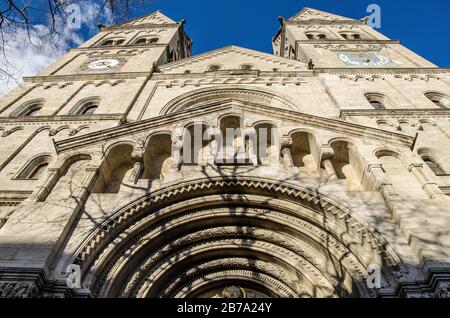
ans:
x=241 y=237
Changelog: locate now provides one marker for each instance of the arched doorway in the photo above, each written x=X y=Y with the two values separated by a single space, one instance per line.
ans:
x=243 y=237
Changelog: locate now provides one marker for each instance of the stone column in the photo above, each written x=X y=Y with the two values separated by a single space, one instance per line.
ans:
x=177 y=148
x=286 y=151
x=137 y=158
x=251 y=145
x=92 y=172
x=430 y=187
x=326 y=155
x=47 y=185
x=380 y=182
x=213 y=135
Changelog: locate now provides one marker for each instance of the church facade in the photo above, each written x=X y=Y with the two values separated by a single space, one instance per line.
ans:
x=130 y=168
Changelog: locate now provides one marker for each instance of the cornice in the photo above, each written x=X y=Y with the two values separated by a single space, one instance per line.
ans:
x=391 y=70
x=234 y=73
x=10 y=195
x=60 y=118
x=361 y=41
x=142 y=26
x=167 y=120
x=393 y=112
x=84 y=77
x=324 y=22
x=118 y=47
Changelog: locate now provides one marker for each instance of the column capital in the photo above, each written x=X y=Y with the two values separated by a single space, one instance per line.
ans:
x=137 y=155
x=414 y=165
x=285 y=142
x=92 y=167
x=326 y=153
x=371 y=166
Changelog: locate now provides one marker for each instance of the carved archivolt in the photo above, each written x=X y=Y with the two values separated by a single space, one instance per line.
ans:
x=161 y=243
x=18 y=289
x=214 y=94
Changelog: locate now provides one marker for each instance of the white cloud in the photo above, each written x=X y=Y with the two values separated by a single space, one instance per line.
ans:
x=27 y=56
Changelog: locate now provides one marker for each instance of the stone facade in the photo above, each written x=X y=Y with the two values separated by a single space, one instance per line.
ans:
x=348 y=197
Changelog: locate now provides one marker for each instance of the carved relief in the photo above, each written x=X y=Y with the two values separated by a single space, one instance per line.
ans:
x=18 y=290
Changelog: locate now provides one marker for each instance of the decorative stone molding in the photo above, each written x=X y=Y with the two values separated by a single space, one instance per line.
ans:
x=233 y=50
x=196 y=98
x=158 y=198
x=186 y=247
x=357 y=77
x=8 y=132
x=362 y=47
x=17 y=289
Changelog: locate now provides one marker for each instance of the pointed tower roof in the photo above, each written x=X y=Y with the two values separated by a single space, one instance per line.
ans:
x=156 y=17
x=308 y=14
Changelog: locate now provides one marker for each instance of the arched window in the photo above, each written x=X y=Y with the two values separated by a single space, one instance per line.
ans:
x=89 y=109
x=115 y=168
x=440 y=100
x=377 y=104
x=315 y=36
x=145 y=40
x=86 y=107
x=38 y=170
x=112 y=42
x=141 y=41
x=347 y=164
x=35 y=168
x=350 y=36
x=377 y=101
x=108 y=43
x=437 y=170
x=214 y=68
x=28 y=109
x=32 y=110
x=158 y=161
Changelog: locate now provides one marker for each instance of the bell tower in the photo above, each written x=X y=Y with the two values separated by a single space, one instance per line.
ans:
x=133 y=46
x=327 y=40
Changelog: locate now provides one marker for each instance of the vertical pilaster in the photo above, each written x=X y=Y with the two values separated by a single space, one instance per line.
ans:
x=53 y=174
x=429 y=186
x=137 y=158
x=286 y=151
x=326 y=156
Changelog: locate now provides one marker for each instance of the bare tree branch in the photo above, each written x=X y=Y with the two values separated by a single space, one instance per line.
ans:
x=45 y=24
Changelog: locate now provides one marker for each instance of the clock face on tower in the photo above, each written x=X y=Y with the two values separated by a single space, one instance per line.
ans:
x=103 y=64
x=364 y=59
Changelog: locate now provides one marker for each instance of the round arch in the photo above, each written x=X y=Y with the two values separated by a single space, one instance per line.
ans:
x=267 y=237
x=254 y=95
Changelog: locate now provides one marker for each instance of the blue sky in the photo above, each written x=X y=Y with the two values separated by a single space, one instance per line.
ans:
x=422 y=26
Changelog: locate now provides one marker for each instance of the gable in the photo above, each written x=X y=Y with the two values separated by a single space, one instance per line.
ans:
x=232 y=58
x=153 y=18
x=308 y=14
